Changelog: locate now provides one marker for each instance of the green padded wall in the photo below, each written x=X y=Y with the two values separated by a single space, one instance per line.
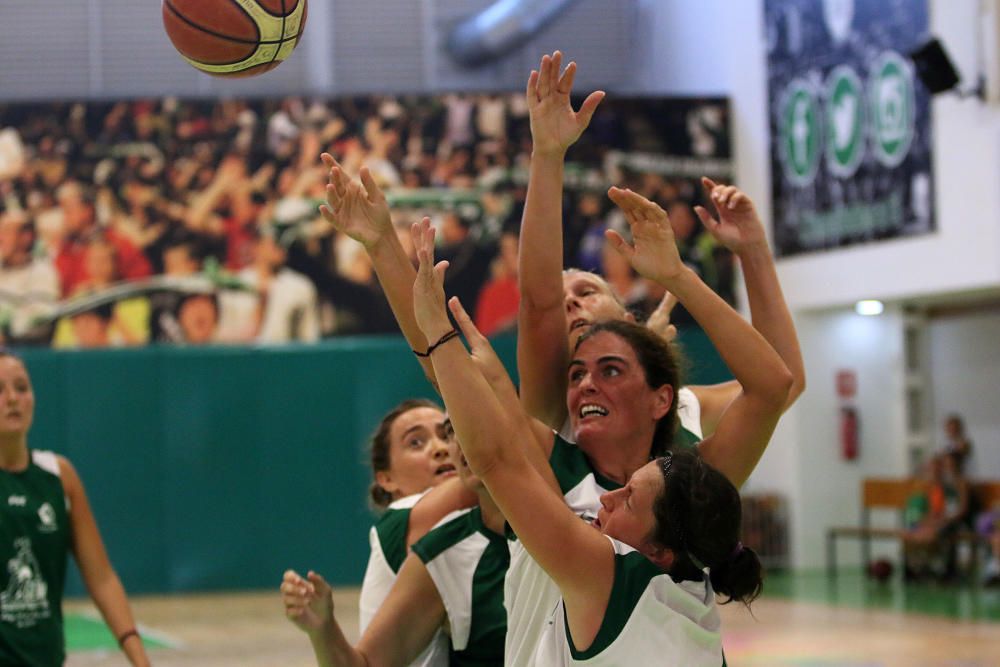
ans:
x=218 y=468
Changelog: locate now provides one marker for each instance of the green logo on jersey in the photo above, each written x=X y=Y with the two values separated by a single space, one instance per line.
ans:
x=892 y=108
x=800 y=133
x=845 y=121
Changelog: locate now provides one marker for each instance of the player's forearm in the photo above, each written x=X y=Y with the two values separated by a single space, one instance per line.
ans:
x=770 y=314
x=752 y=360
x=110 y=599
x=396 y=275
x=332 y=648
x=542 y=352
x=540 y=258
x=542 y=359
x=476 y=414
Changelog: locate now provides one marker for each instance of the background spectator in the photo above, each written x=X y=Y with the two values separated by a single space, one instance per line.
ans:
x=957 y=443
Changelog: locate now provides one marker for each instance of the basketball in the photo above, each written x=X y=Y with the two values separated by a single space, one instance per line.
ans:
x=234 y=38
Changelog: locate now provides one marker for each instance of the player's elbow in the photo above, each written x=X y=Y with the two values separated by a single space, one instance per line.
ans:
x=537 y=300
x=778 y=388
x=798 y=386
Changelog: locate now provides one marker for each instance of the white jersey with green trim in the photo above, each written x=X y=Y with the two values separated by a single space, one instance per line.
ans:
x=388 y=549
x=530 y=595
x=467 y=563
x=650 y=620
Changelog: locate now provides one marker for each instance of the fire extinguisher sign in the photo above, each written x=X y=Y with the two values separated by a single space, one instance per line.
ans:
x=847 y=383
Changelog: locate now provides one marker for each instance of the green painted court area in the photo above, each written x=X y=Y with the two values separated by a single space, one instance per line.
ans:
x=84 y=633
x=852 y=589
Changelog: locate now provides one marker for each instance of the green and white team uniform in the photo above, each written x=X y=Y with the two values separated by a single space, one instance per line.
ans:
x=530 y=595
x=689 y=431
x=650 y=620
x=388 y=551
x=35 y=541
x=468 y=563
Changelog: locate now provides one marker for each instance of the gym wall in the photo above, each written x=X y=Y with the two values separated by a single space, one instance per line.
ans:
x=218 y=468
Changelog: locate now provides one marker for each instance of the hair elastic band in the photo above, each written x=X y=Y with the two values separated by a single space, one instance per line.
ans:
x=441 y=341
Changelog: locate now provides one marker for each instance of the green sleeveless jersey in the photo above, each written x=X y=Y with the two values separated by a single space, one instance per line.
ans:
x=468 y=562
x=34 y=544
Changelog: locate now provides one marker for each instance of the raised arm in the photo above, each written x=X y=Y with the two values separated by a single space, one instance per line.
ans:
x=489 y=433
x=739 y=228
x=99 y=577
x=493 y=371
x=361 y=212
x=748 y=422
x=542 y=353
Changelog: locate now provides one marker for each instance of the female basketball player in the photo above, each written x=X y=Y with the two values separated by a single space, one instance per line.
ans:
x=45 y=517
x=416 y=484
x=554 y=304
x=454 y=575
x=620 y=608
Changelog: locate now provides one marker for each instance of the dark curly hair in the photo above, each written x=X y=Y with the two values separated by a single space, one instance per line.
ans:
x=698 y=516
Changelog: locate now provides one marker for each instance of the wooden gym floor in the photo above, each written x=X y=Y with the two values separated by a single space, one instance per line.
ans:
x=804 y=622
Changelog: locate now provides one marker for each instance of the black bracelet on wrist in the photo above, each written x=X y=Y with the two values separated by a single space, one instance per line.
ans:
x=125 y=635
x=441 y=341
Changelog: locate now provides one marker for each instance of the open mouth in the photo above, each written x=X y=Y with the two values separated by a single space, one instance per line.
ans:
x=445 y=469
x=593 y=410
x=578 y=324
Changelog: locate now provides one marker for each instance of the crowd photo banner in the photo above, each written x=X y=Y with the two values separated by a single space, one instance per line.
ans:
x=850 y=123
x=195 y=222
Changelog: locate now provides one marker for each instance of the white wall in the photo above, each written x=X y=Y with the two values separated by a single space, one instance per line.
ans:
x=963 y=255
x=675 y=49
x=966 y=379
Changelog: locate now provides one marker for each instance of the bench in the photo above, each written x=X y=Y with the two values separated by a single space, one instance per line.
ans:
x=892 y=494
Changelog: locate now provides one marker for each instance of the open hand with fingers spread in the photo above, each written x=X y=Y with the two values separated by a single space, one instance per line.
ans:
x=308 y=601
x=357 y=209
x=738 y=226
x=554 y=124
x=653 y=252
x=428 y=288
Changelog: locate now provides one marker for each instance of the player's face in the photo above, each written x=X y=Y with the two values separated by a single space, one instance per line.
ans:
x=588 y=300
x=418 y=455
x=607 y=393
x=627 y=513
x=17 y=399
x=457 y=458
